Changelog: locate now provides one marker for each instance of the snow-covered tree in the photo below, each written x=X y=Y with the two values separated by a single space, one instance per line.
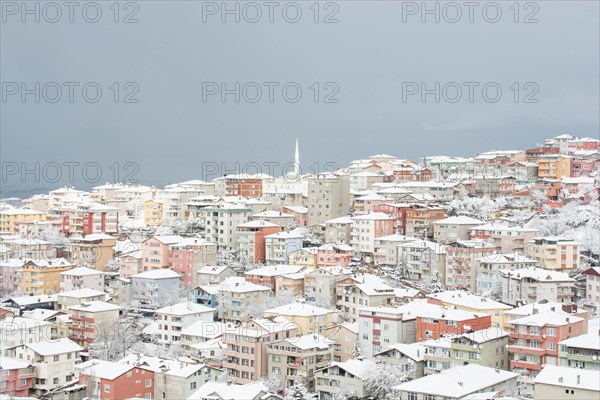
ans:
x=380 y=379
x=297 y=392
x=282 y=298
x=357 y=352
x=273 y=383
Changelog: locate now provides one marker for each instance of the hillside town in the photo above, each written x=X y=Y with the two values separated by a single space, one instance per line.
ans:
x=442 y=278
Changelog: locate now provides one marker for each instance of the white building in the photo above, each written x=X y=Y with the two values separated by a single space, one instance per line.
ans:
x=172 y=319
x=54 y=361
x=533 y=284
x=279 y=246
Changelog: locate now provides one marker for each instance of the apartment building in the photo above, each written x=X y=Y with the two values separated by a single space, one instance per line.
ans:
x=328 y=197
x=398 y=212
x=343 y=377
x=380 y=327
x=236 y=296
x=554 y=166
x=420 y=219
x=279 y=245
x=451 y=229
x=109 y=380
x=43 y=276
x=555 y=253
x=93 y=251
x=386 y=249
x=467 y=301
x=82 y=277
x=308 y=319
x=11 y=271
x=246 y=351
x=153 y=212
x=173 y=319
x=435 y=323
x=592 y=281
x=221 y=222
x=17 y=377
x=535 y=339
x=508 y=239
x=583 y=351
x=156 y=252
x=538 y=307
x=488 y=276
x=53 y=362
x=486 y=347
x=11 y=217
x=78 y=296
x=244 y=184
x=87 y=218
x=16 y=331
x=30 y=248
x=188 y=256
x=458 y=383
x=177 y=379
x=92 y=321
x=345 y=337
x=354 y=293
x=251 y=240
x=338 y=230
x=267 y=276
x=330 y=255
x=152 y=289
x=214 y=274
x=422 y=259
x=410 y=358
x=566 y=383
x=297 y=359
x=533 y=284
x=365 y=228
x=322 y=282
x=462 y=263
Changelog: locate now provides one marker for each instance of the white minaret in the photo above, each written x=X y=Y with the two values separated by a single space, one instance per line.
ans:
x=297 y=160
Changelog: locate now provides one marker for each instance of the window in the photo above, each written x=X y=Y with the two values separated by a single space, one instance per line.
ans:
x=193 y=385
x=412 y=396
x=22 y=382
x=551 y=346
x=148 y=382
x=106 y=388
x=551 y=331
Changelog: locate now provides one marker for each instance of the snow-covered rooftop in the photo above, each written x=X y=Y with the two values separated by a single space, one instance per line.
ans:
x=569 y=377
x=54 y=347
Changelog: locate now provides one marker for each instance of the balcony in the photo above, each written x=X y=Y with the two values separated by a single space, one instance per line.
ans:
x=526 y=350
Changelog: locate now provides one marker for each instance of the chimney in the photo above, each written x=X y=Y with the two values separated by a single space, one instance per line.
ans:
x=460 y=383
x=578 y=379
x=229 y=382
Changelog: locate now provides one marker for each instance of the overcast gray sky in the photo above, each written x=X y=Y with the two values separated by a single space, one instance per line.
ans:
x=369 y=58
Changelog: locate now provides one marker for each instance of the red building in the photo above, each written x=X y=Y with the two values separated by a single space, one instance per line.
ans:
x=16 y=377
x=245 y=185
x=534 y=339
x=582 y=167
x=435 y=324
x=85 y=219
x=251 y=239
x=532 y=155
x=396 y=211
x=108 y=380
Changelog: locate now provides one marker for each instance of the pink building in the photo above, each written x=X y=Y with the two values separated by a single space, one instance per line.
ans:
x=534 y=339
x=582 y=167
x=16 y=379
x=251 y=239
x=330 y=255
x=267 y=276
x=130 y=264
x=82 y=277
x=300 y=214
x=246 y=347
x=188 y=256
x=155 y=251
x=11 y=271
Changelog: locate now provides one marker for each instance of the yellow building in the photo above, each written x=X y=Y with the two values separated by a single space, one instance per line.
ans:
x=554 y=167
x=305 y=317
x=294 y=283
x=153 y=213
x=10 y=217
x=43 y=276
x=306 y=257
x=466 y=301
x=93 y=251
